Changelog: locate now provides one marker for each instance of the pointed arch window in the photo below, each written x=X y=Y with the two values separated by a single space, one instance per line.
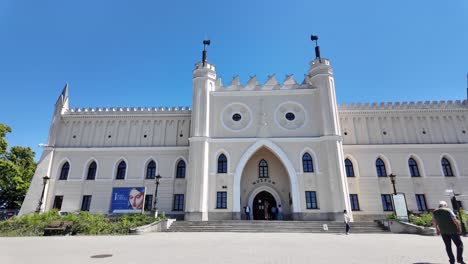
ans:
x=380 y=167
x=151 y=170
x=222 y=164
x=121 y=170
x=64 y=171
x=263 y=169
x=307 y=164
x=349 y=168
x=92 y=171
x=180 y=173
x=446 y=167
x=413 y=167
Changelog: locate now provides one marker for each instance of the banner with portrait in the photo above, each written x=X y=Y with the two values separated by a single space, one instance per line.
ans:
x=127 y=200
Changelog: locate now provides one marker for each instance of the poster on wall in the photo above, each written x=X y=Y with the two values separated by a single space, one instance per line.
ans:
x=127 y=200
x=401 y=209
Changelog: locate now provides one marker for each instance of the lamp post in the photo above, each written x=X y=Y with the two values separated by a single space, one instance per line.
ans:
x=155 y=204
x=45 y=179
x=393 y=180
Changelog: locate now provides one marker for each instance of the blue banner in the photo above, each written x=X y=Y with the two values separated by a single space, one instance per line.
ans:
x=127 y=200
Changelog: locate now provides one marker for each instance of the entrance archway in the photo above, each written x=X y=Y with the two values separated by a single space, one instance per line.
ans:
x=262 y=204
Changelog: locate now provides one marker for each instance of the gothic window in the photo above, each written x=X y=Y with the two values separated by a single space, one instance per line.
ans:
x=121 y=169
x=307 y=164
x=349 y=168
x=263 y=169
x=92 y=171
x=446 y=167
x=151 y=170
x=222 y=164
x=64 y=171
x=413 y=167
x=180 y=169
x=380 y=167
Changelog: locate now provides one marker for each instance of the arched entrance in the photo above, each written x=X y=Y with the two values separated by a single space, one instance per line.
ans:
x=262 y=204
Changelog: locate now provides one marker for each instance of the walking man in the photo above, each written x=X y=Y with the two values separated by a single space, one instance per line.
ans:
x=448 y=226
x=346 y=220
x=280 y=212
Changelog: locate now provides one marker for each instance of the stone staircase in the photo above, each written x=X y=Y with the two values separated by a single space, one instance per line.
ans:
x=255 y=226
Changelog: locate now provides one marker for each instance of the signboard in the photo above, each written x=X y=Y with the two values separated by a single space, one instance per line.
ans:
x=401 y=209
x=127 y=200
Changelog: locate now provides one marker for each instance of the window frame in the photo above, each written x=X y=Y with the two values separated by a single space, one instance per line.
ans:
x=354 y=200
x=421 y=202
x=381 y=168
x=386 y=201
x=178 y=202
x=64 y=171
x=148 y=202
x=348 y=166
x=222 y=163
x=447 y=167
x=150 y=170
x=413 y=167
x=181 y=169
x=121 y=171
x=311 y=200
x=221 y=200
x=86 y=203
x=307 y=163
x=90 y=167
x=263 y=169
x=58 y=200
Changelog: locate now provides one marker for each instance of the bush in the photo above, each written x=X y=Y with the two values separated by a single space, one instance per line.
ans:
x=84 y=223
x=392 y=217
x=422 y=220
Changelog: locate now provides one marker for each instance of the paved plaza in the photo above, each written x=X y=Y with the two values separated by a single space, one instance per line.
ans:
x=226 y=248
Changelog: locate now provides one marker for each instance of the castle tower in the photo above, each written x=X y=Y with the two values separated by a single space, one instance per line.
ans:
x=37 y=188
x=320 y=75
x=204 y=77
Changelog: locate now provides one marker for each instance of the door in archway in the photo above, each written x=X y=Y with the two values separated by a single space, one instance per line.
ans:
x=262 y=204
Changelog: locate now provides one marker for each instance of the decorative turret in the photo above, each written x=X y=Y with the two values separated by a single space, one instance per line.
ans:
x=62 y=106
x=204 y=82
x=204 y=79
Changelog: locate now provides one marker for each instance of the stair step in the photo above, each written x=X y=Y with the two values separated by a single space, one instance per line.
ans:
x=273 y=226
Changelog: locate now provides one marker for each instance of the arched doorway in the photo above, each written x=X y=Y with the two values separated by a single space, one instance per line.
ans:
x=262 y=204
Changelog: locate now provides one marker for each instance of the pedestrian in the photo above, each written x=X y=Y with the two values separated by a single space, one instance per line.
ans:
x=346 y=220
x=247 y=212
x=280 y=212
x=274 y=210
x=448 y=226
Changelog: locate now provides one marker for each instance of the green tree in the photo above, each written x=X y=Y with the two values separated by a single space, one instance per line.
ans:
x=17 y=168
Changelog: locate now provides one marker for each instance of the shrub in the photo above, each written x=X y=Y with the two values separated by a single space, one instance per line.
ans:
x=392 y=217
x=422 y=220
x=84 y=223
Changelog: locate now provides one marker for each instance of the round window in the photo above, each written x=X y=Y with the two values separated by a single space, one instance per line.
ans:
x=236 y=117
x=290 y=116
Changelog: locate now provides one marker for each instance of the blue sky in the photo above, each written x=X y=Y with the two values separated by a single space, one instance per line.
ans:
x=142 y=53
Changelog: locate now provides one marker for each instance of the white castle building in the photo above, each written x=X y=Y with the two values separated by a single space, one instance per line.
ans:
x=287 y=144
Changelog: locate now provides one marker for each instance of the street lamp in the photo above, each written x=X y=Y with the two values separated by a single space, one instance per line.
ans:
x=45 y=179
x=393 y=180
x=155 y=204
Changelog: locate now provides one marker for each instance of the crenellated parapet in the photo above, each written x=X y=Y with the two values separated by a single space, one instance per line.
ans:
x=289 y=83
x=128 y=110
x=420 y=105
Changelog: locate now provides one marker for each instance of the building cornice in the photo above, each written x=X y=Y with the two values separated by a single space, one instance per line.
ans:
x=461 y=146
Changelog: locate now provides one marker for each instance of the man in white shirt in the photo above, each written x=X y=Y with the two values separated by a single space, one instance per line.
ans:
x=247 y=212
x=347 y=219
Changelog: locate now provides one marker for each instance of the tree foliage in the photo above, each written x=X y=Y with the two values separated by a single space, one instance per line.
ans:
x=17 y=167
